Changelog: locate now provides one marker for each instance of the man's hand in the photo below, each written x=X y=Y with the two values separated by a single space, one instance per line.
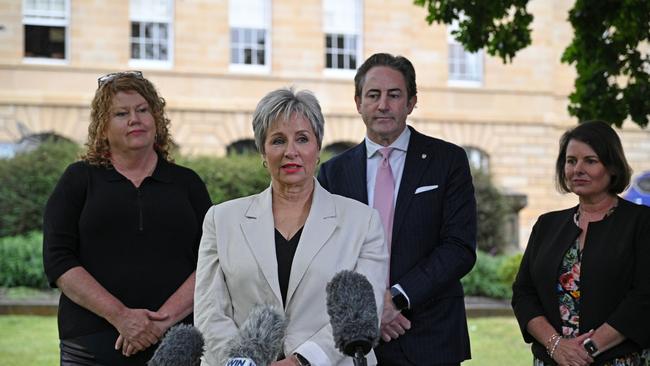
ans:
x=393 y=323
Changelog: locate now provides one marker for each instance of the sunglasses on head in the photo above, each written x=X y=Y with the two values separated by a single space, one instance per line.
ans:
x=108 y=77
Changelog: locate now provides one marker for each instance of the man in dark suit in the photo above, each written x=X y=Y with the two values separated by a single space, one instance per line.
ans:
x=429 y=218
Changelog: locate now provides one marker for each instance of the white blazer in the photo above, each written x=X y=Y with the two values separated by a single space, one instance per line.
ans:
x=237 y=269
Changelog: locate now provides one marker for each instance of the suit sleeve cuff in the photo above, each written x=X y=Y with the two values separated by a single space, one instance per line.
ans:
x=313 y=353
x=400 y=289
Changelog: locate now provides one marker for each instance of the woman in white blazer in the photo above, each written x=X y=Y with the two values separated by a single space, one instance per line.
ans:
x=282 y=246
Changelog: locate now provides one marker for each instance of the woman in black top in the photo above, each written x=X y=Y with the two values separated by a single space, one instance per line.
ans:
x=121 y=231
x=582 y=294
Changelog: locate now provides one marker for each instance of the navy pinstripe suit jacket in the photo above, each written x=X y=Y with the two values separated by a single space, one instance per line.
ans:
x=434 y=243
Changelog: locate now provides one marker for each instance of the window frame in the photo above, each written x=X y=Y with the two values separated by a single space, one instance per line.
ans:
x=144 y=19
x=478 y=158
x=47 y=21
x=329 y=30
x=453 y=79
x=266 y=27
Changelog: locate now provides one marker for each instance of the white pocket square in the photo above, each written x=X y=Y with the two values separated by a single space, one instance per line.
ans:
x=425 y=188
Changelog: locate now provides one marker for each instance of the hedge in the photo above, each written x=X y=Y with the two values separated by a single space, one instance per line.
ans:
x=21 y=261
x=26 y=182
x=492 y=275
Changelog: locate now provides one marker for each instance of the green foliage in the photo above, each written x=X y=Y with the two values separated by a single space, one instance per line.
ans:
x=21 y=261
x=26 y=181
x=491 y=213
x=502 y=27
x=613 y=80
x=229 y=177
x=492 y=276
x=609 y=48
x=509 y=268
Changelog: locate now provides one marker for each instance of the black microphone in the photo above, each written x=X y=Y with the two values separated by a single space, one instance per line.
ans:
x=181 y=346
x=353 y=314
x=259 y=340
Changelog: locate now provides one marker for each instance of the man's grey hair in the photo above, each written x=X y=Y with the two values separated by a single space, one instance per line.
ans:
x=281 y=104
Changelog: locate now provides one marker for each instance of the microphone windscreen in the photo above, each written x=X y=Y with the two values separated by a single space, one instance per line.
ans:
x=353 y=312
x=181 y=346
x=260 y=338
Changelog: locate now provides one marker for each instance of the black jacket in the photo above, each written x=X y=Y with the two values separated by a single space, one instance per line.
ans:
x=614 y=276
x=433 y=242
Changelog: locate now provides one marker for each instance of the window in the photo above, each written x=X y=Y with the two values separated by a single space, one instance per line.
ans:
x=465 y=68
x=249 y=34
x=151 y=32
x=45 y=24
x=478 y=159
x=342 y=27
x=242 y=147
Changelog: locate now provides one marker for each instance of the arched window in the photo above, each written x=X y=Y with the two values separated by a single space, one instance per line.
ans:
x=478 y=159
x=242 y=147
x=32 y=141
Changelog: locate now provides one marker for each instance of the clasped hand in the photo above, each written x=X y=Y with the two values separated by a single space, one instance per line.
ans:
x=393 y=323
x=570 y=351
x=139 y=329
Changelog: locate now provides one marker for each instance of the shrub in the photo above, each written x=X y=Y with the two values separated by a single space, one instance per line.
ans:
x=491 y=216
x=492 y=276
x=509 y=268
x=21 y=261
x=26 y=182
x=229 y=177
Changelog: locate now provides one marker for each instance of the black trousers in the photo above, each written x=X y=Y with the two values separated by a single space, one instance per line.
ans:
x=97 y=349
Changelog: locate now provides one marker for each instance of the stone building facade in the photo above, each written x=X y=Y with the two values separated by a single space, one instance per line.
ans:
x=213 y=60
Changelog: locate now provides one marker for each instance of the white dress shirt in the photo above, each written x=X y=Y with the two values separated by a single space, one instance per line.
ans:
x=397 y=159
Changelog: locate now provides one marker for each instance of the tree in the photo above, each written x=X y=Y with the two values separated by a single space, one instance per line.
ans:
x=613 y=80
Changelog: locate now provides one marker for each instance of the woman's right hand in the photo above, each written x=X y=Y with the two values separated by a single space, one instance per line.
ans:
x=570 y=352
x=137 y=330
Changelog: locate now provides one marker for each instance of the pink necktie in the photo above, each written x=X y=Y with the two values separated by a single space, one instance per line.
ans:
x=384 y=189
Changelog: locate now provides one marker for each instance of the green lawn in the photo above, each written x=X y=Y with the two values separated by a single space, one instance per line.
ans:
x=496 y=341
x=28 y=340
x=32 y=341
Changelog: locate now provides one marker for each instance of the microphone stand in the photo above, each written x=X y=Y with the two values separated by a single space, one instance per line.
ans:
x=359 y=358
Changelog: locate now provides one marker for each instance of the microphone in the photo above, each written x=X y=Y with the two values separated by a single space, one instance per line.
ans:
x=259 y=340
x=181 y=346
x=353 y=314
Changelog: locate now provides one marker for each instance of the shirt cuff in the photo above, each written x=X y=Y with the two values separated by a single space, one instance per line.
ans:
x=400 y=289
x=313 y=353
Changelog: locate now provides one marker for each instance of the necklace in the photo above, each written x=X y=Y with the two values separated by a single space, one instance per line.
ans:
x=580 y=213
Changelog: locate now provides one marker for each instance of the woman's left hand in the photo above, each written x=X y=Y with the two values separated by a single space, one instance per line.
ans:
x=159 y=329
x=570 y=352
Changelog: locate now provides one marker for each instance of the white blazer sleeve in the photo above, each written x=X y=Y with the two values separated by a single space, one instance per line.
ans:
x=212 y=301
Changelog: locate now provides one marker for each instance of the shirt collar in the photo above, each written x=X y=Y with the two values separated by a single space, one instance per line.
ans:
x=161 y=173
x=401 y=143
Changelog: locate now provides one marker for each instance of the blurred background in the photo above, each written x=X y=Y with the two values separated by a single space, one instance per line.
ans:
x=213 y=60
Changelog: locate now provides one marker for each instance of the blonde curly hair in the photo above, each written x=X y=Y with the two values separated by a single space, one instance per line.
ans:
x=97 y=147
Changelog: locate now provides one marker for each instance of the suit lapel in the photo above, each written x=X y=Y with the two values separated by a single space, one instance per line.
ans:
x=259 y=230
x=418 y=158
x=319 y=227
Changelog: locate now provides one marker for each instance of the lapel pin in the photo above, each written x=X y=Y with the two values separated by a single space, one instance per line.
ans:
x=424 y=156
